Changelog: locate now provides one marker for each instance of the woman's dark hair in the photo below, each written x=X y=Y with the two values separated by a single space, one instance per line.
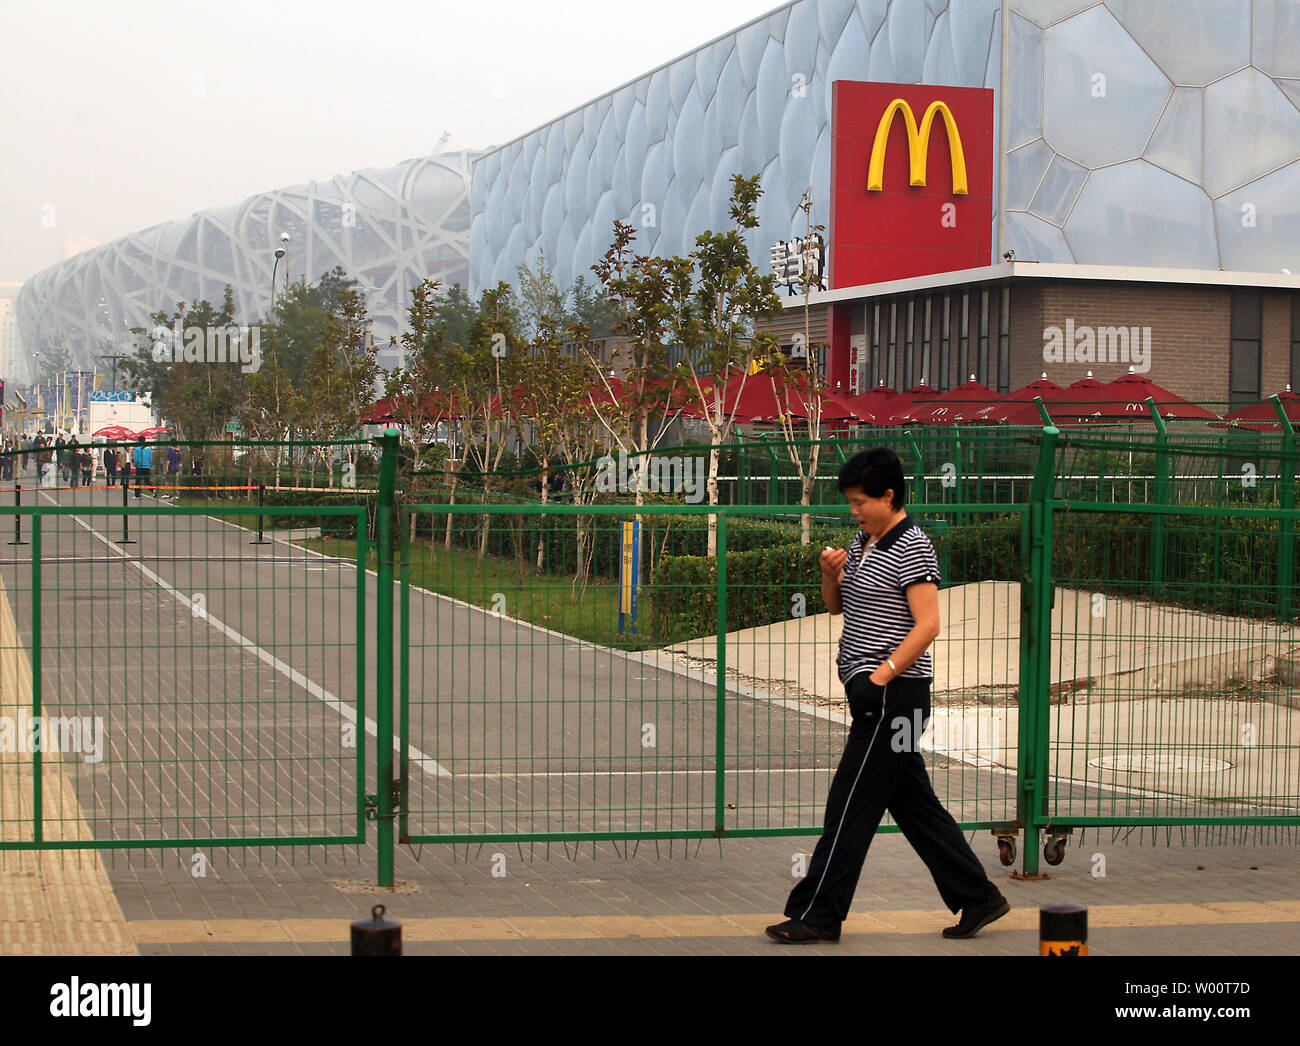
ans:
x=873 y=472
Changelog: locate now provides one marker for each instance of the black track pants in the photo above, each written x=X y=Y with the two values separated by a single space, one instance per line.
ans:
x=874 y=775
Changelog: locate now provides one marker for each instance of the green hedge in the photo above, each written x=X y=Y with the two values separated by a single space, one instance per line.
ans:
x=763 y=586
x=661 y=537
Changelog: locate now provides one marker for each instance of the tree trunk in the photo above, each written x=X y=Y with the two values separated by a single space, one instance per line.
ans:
x=541 y=537
x=451 y=501
x=713 y=501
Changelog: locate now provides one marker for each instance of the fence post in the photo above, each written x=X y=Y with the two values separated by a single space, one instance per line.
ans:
x=1035 y=650
x=385 y=782
x=404 y=672
x=1286 y=526
x=720 y=724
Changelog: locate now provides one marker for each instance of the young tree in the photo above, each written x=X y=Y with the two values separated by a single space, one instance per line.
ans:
x=346 y=336
x=198 y=396
x=415 y=392
x=270 y=408
x=651 y=299
x=553 y=399
x=487 y=368
x=718 y=334
x=800 y=389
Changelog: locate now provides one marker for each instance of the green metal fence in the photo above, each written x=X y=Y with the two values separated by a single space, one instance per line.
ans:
x=1116 y=655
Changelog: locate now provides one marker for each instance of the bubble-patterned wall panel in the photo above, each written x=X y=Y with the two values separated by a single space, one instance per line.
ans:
x=1124 y=119
x=754 y=102
x=389 y=229
x=1140 y=133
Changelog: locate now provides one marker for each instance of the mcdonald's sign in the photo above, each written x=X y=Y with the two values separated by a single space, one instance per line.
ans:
x=918 y=146
x=909 y=197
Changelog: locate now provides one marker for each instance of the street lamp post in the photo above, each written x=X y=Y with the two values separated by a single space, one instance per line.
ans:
x=280 y=252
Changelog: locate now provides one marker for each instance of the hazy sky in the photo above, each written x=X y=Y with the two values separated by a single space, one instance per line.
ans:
x=118 y=115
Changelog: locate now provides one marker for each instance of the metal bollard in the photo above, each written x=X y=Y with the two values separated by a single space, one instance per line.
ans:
x=261 y=537
x=1063 y=929
x=377 y=935
x=18 y=520
x=126 y=520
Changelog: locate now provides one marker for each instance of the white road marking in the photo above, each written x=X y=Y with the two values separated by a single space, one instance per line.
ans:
x=423 y=761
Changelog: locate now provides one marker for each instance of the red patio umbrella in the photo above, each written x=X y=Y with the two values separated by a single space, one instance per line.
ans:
x=379 y=413
x=670 y=395
x=113 y=432
x=1124 y=399
x=1261 y=417
x=877 y=406
x=957 y=405
x=151 y=434
x=1019 y=408
x=766 y=396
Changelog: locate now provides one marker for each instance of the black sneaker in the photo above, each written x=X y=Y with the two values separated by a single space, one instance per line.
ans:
x=795 y=932
x=975 y=917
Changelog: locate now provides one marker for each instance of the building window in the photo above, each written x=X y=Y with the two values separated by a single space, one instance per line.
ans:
x=891 y=358
x=927 y=343
x=909 y=345
x=872 y=363
x=982 y=357
x=1245 y=356
x=963 y=342
x=945 y=345
x=1004 y=343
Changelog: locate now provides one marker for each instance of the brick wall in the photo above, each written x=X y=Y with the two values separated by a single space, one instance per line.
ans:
x=1190 y=332
x=1027 y=335
x=1276 y=348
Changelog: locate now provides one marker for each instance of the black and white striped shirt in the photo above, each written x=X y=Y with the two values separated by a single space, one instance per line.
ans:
x=877 y=616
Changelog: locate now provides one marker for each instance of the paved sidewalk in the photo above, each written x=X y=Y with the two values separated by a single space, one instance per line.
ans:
x=706 y=898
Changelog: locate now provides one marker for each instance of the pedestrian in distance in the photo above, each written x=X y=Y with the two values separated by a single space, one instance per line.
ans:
x=143 y=466
x=87 y=463
x=72 y=461
x=27 y=449
x=110 y=465
x=173 y=466
x=886 y=586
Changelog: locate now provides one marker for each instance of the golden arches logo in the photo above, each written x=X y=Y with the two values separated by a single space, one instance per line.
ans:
x=918 y=141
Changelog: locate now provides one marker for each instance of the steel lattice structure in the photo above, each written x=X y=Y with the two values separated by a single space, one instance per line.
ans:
x=388 y=228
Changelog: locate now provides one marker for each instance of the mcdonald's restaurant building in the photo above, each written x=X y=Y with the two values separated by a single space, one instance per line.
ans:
x=913 y=296
x=998 y=187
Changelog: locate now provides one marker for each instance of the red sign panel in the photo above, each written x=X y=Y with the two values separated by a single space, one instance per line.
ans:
x=911 y=181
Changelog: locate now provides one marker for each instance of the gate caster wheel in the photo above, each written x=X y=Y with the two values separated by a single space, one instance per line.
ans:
x=1007 y=850
x=1054 y=851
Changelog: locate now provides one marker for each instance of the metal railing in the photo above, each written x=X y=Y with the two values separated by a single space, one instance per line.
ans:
x=574 y=672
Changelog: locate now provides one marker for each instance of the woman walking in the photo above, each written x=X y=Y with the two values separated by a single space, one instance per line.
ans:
x=887 y=587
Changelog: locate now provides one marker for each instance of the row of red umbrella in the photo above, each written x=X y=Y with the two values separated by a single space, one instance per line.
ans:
x=765 y=397
x=121 y=432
